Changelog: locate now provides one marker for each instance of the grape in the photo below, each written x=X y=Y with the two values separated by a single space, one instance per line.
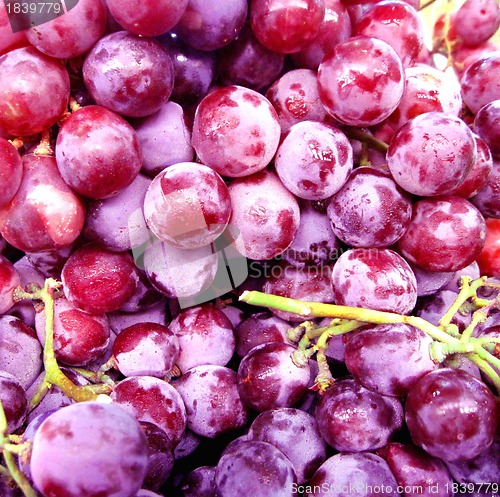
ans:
x=71 y=34
x=451 y=415
x=50 y=263
x=86 y=166
x=478 y=178
x=295 y=97
x=145 y=296
x=429 y=282
x=311 y=284
x=146 y=349
x=194 y=70
x=79 y=338
x=210 y=27
x=119 y=320
x=187 y=205
x=365 y=475
x=74 y=454
x=315 y=243
x=431 y=154
x=247 y=63
x=416 y=472
x=154 y=401
x=160 y=456
x=129 y=75
x=14 y=401
x=178 y=272
x=8 y=39
x=213 y=405
x=117 y=223
x=258 y=329
x=465 y=56
x=352 y=418
x=11 y=173
x=164 y=138
x=486 y=199
x=188 y=444
x=295 y=433
x=335 y=28
x=147 y=18
x=314 y=160
x=398 y=24
x=445 y=234
x=9 y=280
x=226 y=115
x=268 y=378
x=370 y=210
x=197 y=330
x=427 y=89
x=199 y=482
x=472 y=271
x=286 y=27
x=98 y=281
x=476 y=21
x=488 y=259
x=361 y=81
x=254 y=468
x=409 y=348
x=377 y=279
x=20 y=350
x=44 y=214
x=34 y=91
x=266 y=214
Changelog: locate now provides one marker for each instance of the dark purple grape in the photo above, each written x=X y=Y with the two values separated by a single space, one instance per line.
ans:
x=144 y=298
x=75 y=454
x=188 y=444
x=451 y=415
x=254 y=468
x=154 y=401
x=119 y=320
x=352 y=418
x=417 y=473
x=364 y=475
x=445 y=234
x=296 y=434
x=199 y=482
x=11 y=173
x=268 y=378
x=486 y=199
x=14 y=401
x=130 y=75
x=212 y=401
x=197 y=330
x=377 y=279
x=370 y=210
x=408 y=347
x=429 y=282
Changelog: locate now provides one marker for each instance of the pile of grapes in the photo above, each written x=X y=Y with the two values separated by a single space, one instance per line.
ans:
x=250 y=248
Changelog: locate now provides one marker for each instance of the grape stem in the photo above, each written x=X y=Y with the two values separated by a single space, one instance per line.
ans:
x=53 y=373
x=366 y=138
x=475 y=352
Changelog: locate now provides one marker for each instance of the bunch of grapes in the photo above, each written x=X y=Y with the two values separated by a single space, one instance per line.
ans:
x=250 y=248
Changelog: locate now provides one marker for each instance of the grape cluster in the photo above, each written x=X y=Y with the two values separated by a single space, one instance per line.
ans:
x=250 y=248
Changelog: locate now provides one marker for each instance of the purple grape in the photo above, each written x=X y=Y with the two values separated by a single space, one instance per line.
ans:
x=268 y=378
x=265 y=213
x=164 y=138
x=188 y=444
x=486 y=125
x=197 y=330
x=377 y=279
x=11 y=173
x=429 y=282
x=310 y=283
x=199 y=482
x=361 y=81
x=130 y=75
x=254 y=468
x=295 y=97
x=154 y=401
x=476 y=21
x=144 y=297
x=445 y=234
x=451 y=415
x=354 y=419
x=146 y=349
x=257 y=329
x=14 y=401
x=431 y=154
x=486 y=199
x=365 y=475
x=370 y=210
x=119 y=320
x=212 y=401
x=211 y=26
x=409 y=348
x=226 y=115
x=88 y=168
x=472 y=271
x=417 y=473
x=296 y=434
x=314 y=160
x=75 y=442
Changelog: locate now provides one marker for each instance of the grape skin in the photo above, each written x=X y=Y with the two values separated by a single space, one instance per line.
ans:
x=11 y=172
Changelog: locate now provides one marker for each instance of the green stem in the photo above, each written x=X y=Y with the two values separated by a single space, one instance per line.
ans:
x=364 y=137
x=486 y=369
